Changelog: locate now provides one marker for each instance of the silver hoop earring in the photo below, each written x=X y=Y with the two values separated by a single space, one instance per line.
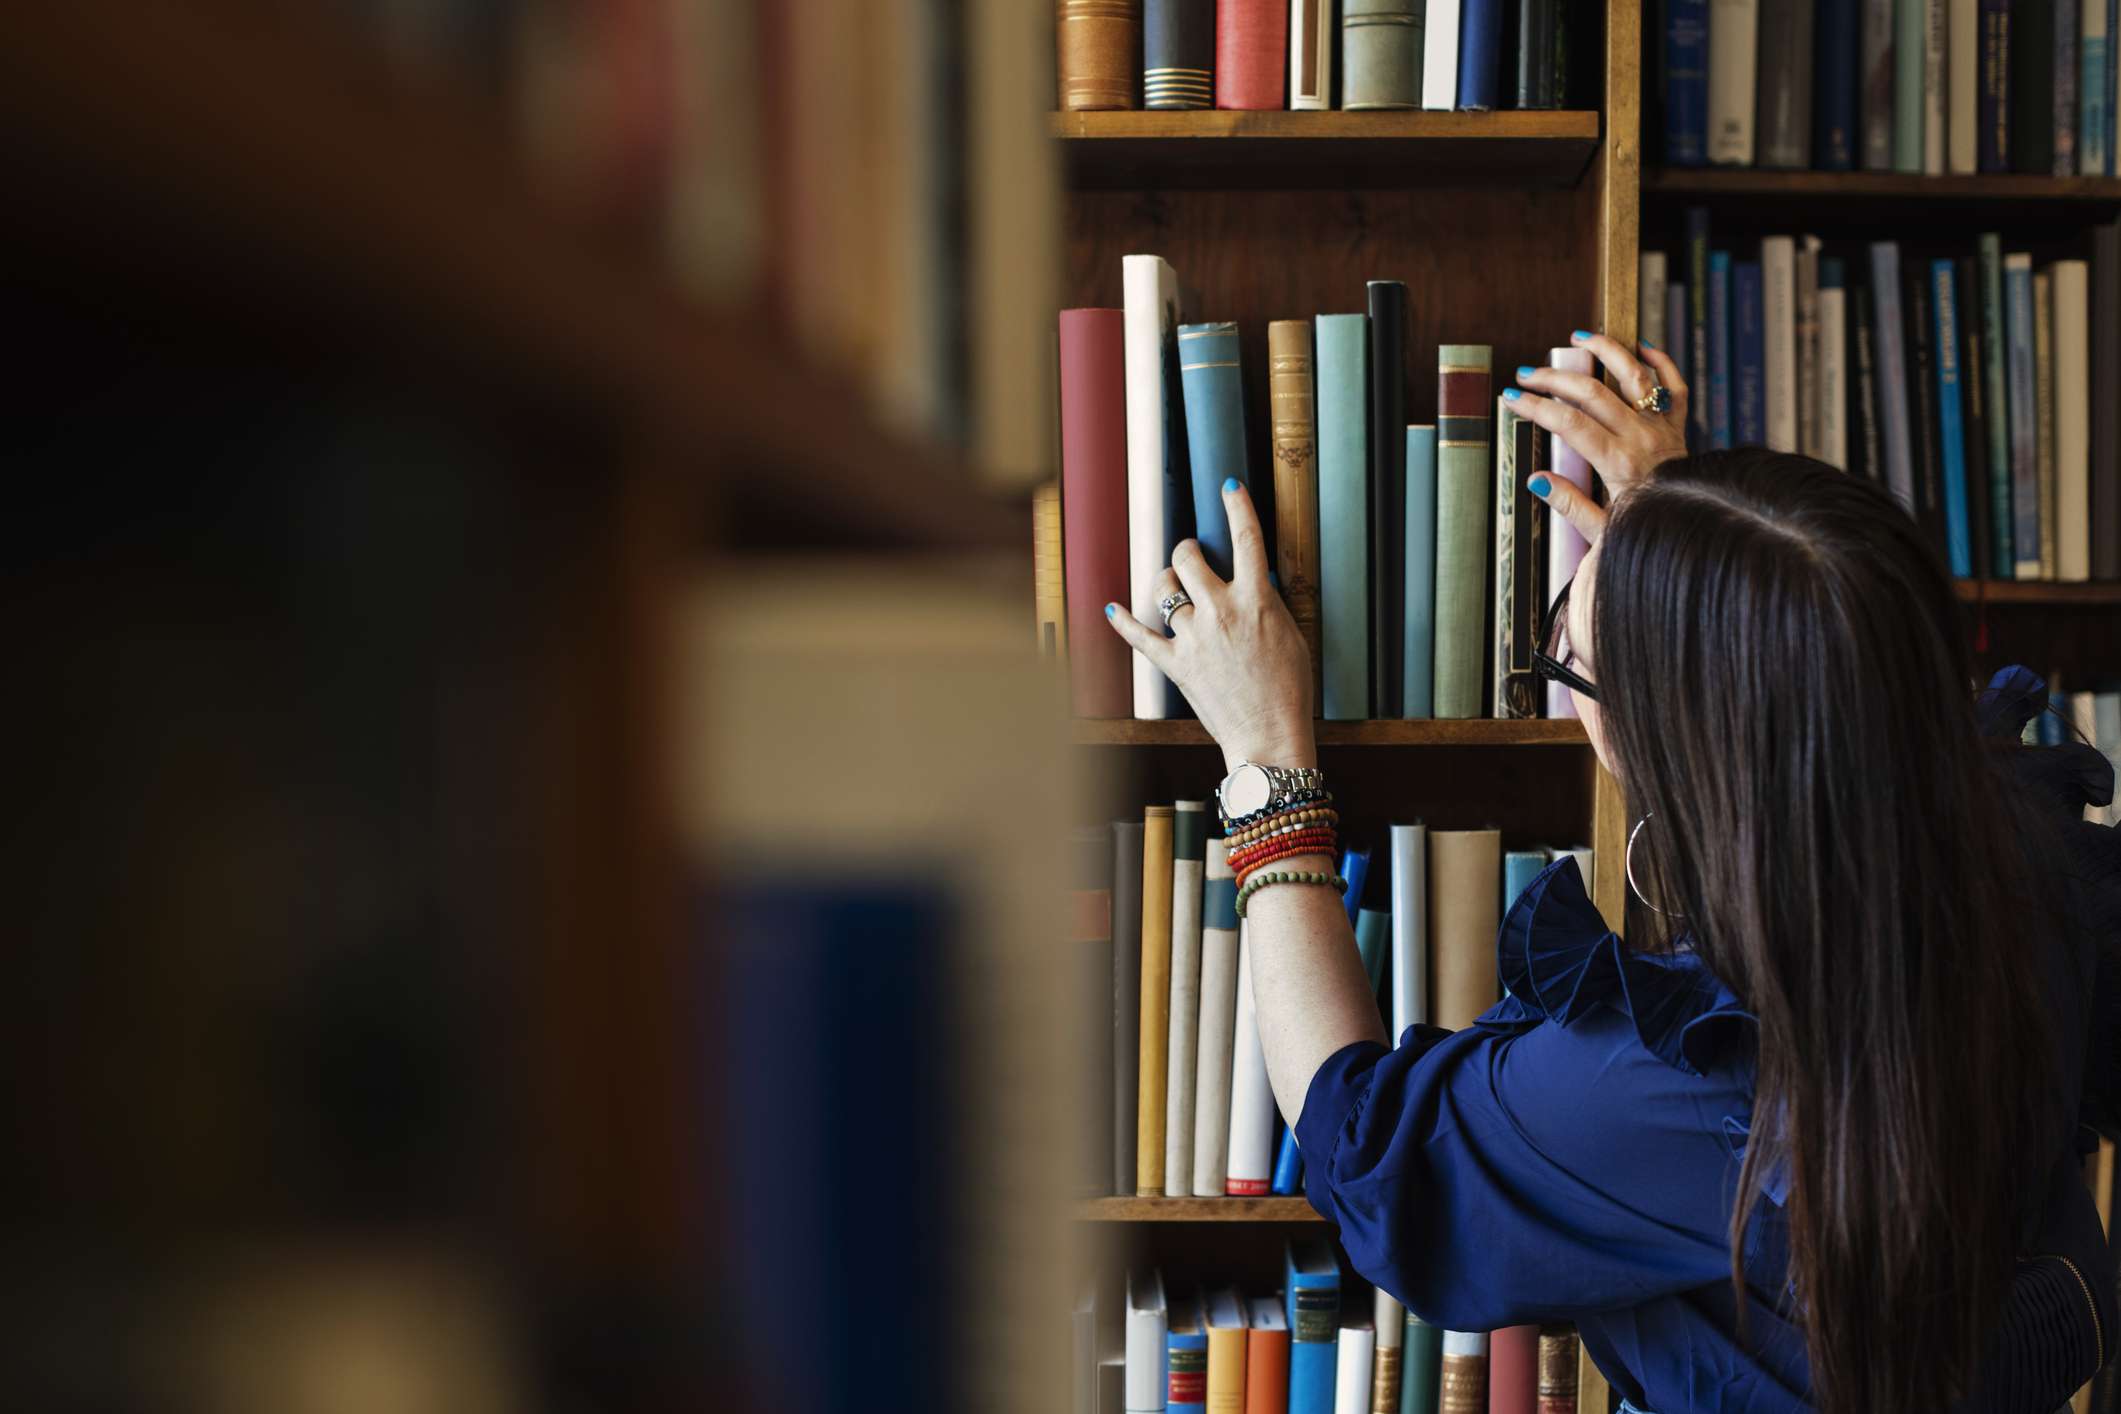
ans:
x=1628 y=866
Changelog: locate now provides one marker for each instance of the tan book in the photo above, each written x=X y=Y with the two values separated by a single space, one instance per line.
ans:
x=1464 y=1386
x=2044 y=405
x=2073 y=429
x=1465 y=906
x=1049 y=592
x=1593 y=1394
x=1099 y=46
x=1289 y=396
x=1391 y=1326
x=1155 y=1001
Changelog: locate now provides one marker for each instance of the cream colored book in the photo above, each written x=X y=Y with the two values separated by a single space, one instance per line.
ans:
x=2073 y=452
x=1216 y=1034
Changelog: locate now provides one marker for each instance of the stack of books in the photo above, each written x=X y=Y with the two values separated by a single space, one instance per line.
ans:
x=1318 y=54
x=1976 y=386
x=1922 y=86
x=1319 y=1345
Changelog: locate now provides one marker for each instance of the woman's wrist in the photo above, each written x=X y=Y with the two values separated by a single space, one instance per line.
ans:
x=1287 y=747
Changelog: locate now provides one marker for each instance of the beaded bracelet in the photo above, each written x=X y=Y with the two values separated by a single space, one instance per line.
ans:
x=1278 y=832
x=1321 y=841
x=1305 y=876
x=1283 y=821
x=1301 y=851
x=1294 y=802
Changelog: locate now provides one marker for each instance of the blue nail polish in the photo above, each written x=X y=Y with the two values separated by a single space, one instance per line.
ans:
x=1540 y=485
x=1526 y=371
x=1273 y=579
x=1580 y=335
x=1511 y=395
x=1647 y=344
x=1111 y=611
x=1230 y=486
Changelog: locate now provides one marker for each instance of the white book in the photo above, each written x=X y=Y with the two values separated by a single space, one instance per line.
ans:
x=1933 y=94
x=1962 y=53
x=1734 y=49
x=1183 y=1032
x=1465 y=1343
x=1148 y=1332
x=1833 y=378
x=1649 y=298
x=1311 y=24
x=2073 y=453
x=1410 y=927
x=1778 y=299
x=1585 y=857
x=1439 y=56
x=1251 y=1167
x=1218 y=1025
x=1149 y=290
x=1351 y=1376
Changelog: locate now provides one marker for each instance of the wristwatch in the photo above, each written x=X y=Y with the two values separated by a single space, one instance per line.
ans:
x=1253 y=789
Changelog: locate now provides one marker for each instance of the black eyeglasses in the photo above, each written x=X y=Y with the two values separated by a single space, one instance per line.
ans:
x=1547 y=659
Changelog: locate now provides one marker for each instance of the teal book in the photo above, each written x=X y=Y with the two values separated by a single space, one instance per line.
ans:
x=1373 y=940
x=1519 y=868
x=1343 y=514
x=1311 y=1293
x=1215 y=430
x=1951 y=431
x=1463 y=444
x=1419 y=660
x=1910 y=46
x=1996 y=401
x=1421 y=1367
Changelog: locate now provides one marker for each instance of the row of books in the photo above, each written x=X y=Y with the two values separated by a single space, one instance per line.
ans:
x=1155 y=923
x=1318 y=1346
x=1315 y=54
x=1978 y=388
x=2092 y=715
x=1926 y=86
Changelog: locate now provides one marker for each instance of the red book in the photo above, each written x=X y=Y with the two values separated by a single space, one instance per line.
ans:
x=1251 y=53
x=1513 y=1370
x=1093 y=397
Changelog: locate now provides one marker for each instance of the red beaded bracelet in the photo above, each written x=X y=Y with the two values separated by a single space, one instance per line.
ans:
x=1313 y=838
x=1276 y=856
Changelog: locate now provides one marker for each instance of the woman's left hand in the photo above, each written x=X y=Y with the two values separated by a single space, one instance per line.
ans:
x=1623 y=443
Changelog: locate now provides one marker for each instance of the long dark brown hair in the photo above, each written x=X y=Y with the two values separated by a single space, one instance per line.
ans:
x=1786 y=692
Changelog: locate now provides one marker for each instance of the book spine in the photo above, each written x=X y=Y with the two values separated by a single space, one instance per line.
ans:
x=1963 y=80
x=1093 y=397
x=1559 y=1351
x=1314 y=1326
x=1686 y=83
x=1288 y=1165
x=1838 y=45
x=1465 y=900
x=2044 y=410
x=1833 y=366
x=1226 y=1369
x=1049 y=589
x=1463 y=1373
x=1868 y=451
x=1539 y=60
x=1421 y=1367
x=1973 y=399
x=1993 y=142
x=1266 y=1371
x=2023 y=411
x=1750 y=356
x=1951 y=432
x=1127 y=849
x=1778 y=279
x=1513 y=1370
x=1210 y=372
x=1649 y=288
x=1933 y=88
x=2072 y=293
x=1388 y=491
x=1734 y=46
x=1784 y=119
x=1189 y=839
x=1922 y=412
x=1355 y=1353
x=2033 y=88
x=1390 y=1323
x=1178 y=54
x=1480 y=54
x=1251 y=1159
x=2095 y=90
x=1380 y=54
x=1152 y=1094
x=1418 y=652
x=2105 y=322
x=1355 y=868
x=1502 y=561
x=1373 y=940
x=1463 y=440
x=1995 y=341
x=1565 y=547
x=1216 y=1032
x=1719 y=348
x=1878 y=85
x=1343 y=512
x=1676 y=305
x=2065 y=91
x=1187 y=1390
x=1889 y=353
x=1310 y=54
x=2113 y=79
x=1147 y=1345
x=1157 y=477
x=1251 y=53
x=1808 y=433
x=1289 y=399
x=1096 y=43
x=1439 y=56
x=1090 y=941
x=1910 y=45
x=1697 y=346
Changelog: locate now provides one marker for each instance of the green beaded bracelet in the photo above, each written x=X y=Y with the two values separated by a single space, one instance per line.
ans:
x=1285 y=876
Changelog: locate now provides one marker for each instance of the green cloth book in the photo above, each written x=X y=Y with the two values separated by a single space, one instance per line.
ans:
x=1418 y=662
x=1463 y=442
x=1343 y=514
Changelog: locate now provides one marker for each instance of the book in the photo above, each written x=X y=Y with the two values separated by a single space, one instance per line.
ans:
x=1520 y=564
x=1153 y=1093
x=1127 y=846
x=1676 y=305
x=1686 y=85
x=1951 y=432
x=1749 y=319
x=2032 y=88
x=1933 y=88
x=1698 y=367
x=1418 y=650
x=1189 y=840
x=1867 y=448
x=1083 y=1363
x=1513 y=1370
x=1049 y=589
x=1565 y=547
x=1519 y=868
x=1993 y=141
x=1090 y=943
x=1889 y=353
x=1480 y=54
x=1974 y=407
x=1209 y=371
x=1224 y=1313
x=2105 y=479
x=1266 y=1356
x=1778 y=284
x=1343 y=515
x=2044 y=411
x=1922 y=410
x=1962 y=56
x=1462 y=442
x=1288 y=1165
x=1295 y=478
x=1159 y=477
x=1465 y=891
x=1410 y=928
x=2072 y=379
x=1879 y=73
x=1147 y=1333
x=1178 y=54
x=1186 y=1344
x=1462 y=1384
x=1542 y=78
x=2095 y=88
x=2065 y=87
x=1311 y=45
x=1734 y=44
x=1373 y=942
x=1719 y=348
x=1559 y=1355
x=1251 y=53
x=1093 y=399
x=1649 y=290
x=1833 y=364
x=1355 y=1354
x=2023 y=411
x=2003 y=559
x=1311 y=1293
x=1421 y=1367
x=1837 y=50
x=1251 y=1160
x=1784 y=118
x=1387 y=491
x=1380 y=54
x=1808 y=434
x=1216 y=1033
x=1910 y=48
x=1439 y=56
x=1097 y=42
x=1389 y=1323
x=1355 y=868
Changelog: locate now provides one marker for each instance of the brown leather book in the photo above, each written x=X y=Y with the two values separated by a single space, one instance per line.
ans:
x=1100 y=53
x=1559 y=1351
x=1463 y=1388
x=1465 y=904
x=1295 y=478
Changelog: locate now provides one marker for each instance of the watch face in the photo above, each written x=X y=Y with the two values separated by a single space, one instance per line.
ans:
x=1245 y=791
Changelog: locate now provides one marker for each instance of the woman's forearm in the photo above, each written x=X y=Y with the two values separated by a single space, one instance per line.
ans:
x=1308 y=984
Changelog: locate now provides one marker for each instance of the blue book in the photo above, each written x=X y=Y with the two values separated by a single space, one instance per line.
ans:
x=1311 y=1298
x=1519 y=868
x=1215 y=430
x=1373 y=941
x=2095 y=95
x=1719 y=348
x=1480 y=54
x=1749 y=355
x=1418 y=662
x=2024 y=415
x=1697 y=286
x=1288 y=1166
x=1186 y=1350
x=2047 y=724
x=1890 y=345
x=1686 y=83
x=1355 y=868
x=1342 y=410
x=1951 y=426
x=1837 y=46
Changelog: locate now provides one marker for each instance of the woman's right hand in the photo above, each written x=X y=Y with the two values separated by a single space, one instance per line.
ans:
x=1622 y=443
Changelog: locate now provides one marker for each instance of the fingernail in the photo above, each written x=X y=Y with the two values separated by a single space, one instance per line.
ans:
x=1525 y=370
x=1539 y=486
x=1580 y=335
x=1111 y=611
x=1230 y=487
x=1511 y=395
x=1647 y=344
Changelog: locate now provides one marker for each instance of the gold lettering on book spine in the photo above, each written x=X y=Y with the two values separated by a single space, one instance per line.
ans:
x=1384 y=1381
x=1295 y=431
x=1464 y=1385
x=1558 y=1351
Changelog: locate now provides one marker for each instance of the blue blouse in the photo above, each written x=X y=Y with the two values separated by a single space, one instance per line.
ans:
x=1574 y=1155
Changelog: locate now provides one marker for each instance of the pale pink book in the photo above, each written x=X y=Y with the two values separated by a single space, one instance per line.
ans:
x=1565 y=548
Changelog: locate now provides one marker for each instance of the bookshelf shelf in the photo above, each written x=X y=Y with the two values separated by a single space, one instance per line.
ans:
x=1472 y=732
x=2039 y=593
x=1196 y=1210
x=1329 y=149
x=1750 y=182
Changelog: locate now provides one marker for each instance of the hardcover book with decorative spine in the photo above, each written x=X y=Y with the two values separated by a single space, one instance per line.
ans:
x=1251 y=53
x=1391 y=1328
x=1295 y=432
x=1178 y=54
x=1311 y=1289
x=1462 y=451
x=1187 y=1390
x=1559 y=1352
x=1463 y=1388
x=1380 y=52
x=1097 y=43
x=1049 y=592
x=1520 y=565
x=1311 y=45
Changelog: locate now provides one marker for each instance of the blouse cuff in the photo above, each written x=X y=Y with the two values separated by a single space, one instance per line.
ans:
x=1334 y=1103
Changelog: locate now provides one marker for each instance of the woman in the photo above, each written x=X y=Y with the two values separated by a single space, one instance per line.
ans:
x=1817 y=1147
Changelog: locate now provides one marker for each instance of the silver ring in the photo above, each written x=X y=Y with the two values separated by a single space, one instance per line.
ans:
x=1658 y=399
x=1171 y=604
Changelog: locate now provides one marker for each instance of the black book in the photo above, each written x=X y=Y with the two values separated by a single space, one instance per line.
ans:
x=1922 y=431
x=1388 y=495
x=1782 y=120
x=1973 y=403
x=1865 y=457
x=1178 y=53
x=1539 y=76
x=2032 y=81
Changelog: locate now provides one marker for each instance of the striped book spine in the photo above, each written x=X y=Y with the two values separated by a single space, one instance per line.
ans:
x=1464 y=381
x=1178 y=53
x=1097 y=43
x=1559 y=1352
x=1418 y=660
x=1343 y=514
x=1295 y=431
x=1463 y=1384
x=1391 y=1328
x=1215 y=430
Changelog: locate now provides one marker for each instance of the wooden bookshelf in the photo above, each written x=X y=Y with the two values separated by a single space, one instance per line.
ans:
x=1475 y=732
x=1907 y=186
x=1196 y=1210
x=2040 y=593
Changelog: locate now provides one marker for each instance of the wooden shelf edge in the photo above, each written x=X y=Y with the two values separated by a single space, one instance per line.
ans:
x=1195 y=1210
x=1560 y=125
x=1743 y=181
x=2039 y=593
x=1479 y=731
